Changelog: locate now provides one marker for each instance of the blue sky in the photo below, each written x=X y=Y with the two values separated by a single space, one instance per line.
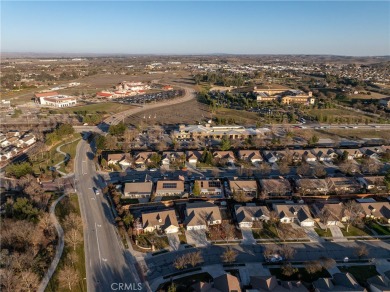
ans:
x=254 y=27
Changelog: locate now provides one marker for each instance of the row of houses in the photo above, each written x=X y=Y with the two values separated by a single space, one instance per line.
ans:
x=13 y=142
x=252 y=189
x=141 y=159
x=201 y=215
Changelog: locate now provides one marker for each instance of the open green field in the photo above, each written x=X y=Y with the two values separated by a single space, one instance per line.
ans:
x=240 y=117
x=355 y=231
x=108 y=107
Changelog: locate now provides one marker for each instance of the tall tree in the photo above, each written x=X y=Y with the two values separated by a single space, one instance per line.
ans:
x=229 y=255
x=68 y=277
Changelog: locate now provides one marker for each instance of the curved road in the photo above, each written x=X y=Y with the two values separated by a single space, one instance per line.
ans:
x=108 y=263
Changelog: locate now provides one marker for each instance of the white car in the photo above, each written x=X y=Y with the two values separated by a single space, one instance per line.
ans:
x=97 y=193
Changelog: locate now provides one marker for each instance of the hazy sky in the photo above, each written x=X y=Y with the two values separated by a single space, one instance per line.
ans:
x=308 y=27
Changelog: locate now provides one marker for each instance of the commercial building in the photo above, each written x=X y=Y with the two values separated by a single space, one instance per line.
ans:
x=53 y=99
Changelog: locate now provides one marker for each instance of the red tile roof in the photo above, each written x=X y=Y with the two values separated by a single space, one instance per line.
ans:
x=46 y=94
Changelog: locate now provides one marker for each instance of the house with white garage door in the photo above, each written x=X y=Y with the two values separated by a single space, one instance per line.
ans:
x=200 y=215
x=247 y=215
x=161 y=220
x=294 y=213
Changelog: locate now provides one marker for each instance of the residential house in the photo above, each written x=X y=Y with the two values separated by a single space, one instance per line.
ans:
x=294 y=213
x=165 y=221
x=271 y=156
x=252 y=156
x=339 y=282
x=199 y=215
x=324 y=154
x=123 y=159
x=376 y=210
x=228 y=156
x=271 y=283
x=138 y=190
x=275 y=187
x=5 y=143
x=335 y=211
x=371 y=152
x=223 y=283
x=302 y=155
x=378 y=283
x=246 y=215
x=312 y=186
x=209 y=187
x=170 y=188
x=247 y=187
x=141 y=159
x=193 y=157
x=172 y=157
x=227 y=282
x=341 y=185
x=28 y=140
x=14 y=141
x=373 y=182
x=351 y=153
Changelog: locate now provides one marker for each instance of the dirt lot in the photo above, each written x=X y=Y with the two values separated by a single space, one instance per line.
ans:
x=188 y=112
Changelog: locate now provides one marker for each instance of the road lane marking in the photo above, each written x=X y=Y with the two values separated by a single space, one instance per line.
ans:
x=97 y=240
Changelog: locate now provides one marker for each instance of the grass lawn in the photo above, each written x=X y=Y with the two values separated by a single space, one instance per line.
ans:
x=354 y=231
x=267 y=232
x=108 y=107
x=52 y=157
x=323 y=233
x=182 y=238
x=240 y=117
x=301 y=275
x=381 y=230
x=184 y=284
x=65 y=207
x=361 y=273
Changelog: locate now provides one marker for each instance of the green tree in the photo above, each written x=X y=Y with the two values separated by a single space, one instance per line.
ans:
x=24 y=210
x=19 y=169
x=225 y=144
x=100 y=143
x=117 y=130
x=196 y=189
x=128 y=219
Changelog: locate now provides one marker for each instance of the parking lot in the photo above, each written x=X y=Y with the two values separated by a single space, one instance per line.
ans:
x=151 y=97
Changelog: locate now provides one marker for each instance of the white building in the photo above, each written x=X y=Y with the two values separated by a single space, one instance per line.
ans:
x=53 y=99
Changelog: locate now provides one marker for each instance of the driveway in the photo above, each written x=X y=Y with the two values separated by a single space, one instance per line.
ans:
x=337 y=234
x=247 y=236
x=174 y=241
x=197 y=237
x=312 y=234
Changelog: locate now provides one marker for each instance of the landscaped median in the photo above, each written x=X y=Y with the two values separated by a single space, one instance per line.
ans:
x=70 y=272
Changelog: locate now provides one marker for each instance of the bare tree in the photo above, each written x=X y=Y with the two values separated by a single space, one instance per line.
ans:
x=9 y=279
x=287 y=252
x=313 y=267
x=227 y=231
x=29 y=281
x=46 y=225
x=269 y=251
x=283 y=167
x=319 y=171
x=264 y=168
x=180 y=262
x=370 y=166
x=288 y=270
x=73 y=221
x=304 y=169
x=324 y=217
x=229 y=255
x=353 y=212
x=361 y=251
x=215 y=172
x=327 y=263
x=73 y=237
x=68 y=277
x=194 y=258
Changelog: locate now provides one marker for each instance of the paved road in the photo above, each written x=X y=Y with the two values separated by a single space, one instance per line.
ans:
x=107 y=262
x=162 y=264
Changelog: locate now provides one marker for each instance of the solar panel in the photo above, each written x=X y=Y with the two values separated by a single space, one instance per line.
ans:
x=169 y=185
x=214 y=184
